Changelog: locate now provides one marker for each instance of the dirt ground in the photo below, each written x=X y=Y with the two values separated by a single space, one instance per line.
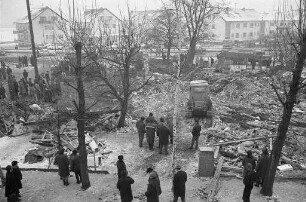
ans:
x=46 y=186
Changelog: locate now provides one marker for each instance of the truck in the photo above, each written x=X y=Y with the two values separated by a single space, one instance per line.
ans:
x=242 y=57
x=199 y=103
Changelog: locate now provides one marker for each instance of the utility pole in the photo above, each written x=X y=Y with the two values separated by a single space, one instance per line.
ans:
x=32 y=40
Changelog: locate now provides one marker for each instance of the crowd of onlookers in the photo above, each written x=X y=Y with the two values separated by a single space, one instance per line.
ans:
x=41 y=89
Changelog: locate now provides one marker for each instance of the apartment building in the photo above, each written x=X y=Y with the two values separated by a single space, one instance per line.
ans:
x=45 y=27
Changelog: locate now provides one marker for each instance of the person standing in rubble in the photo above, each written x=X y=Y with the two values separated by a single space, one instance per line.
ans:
x=163 y=132
x=262 y=167
x=248 y=180
x=179 y=181
x=120 y=166
x=2 y=92
x=248 y=159
x=63 y=166
x=11 y=186
x=151 y=125
x=196 y=131
x=141 y=129
x=154 y=188
x=124 y=186
x=18 y=175
x=75 y=165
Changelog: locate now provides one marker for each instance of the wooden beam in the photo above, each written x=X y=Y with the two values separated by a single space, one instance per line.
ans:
x=214 y=183
x=216 y=152
x=244 y=140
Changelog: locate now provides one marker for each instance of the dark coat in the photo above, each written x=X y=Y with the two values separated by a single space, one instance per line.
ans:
x=151 y=119
x=141 y=127
x=263 y=165
x=154 y=189
x=18 y=175
x=25 y=74
x=163 y=133
x=250 y=160
x=120 y=167
x=196 y=130
x=11 y=186
x=150 y=131
x=124 y=186
x=63 y=165
x=75 y=164
x=179 y=181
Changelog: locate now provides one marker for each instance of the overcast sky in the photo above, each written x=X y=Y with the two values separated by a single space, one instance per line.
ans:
x=12 y=10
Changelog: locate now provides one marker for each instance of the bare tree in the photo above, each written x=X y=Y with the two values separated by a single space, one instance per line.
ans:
x=115 y=60
x=197 y=15
x=164 y=29
x=291 y=44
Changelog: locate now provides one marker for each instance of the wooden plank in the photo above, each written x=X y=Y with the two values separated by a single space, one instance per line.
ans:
x=244 y=140
x=214 y=183
x=216 y=152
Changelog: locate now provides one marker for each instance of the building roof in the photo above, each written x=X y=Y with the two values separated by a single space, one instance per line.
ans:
x=240 y=15
x=35 y=13
x=97 y=11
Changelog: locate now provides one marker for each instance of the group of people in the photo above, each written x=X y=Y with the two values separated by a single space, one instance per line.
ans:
x=65 y=165
x=150 y=127
x=154 y=188
x=13 y=182
x=254 y=174
x=23 y=61
x=43 y=88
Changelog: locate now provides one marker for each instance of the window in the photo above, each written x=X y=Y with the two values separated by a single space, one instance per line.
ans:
x=213 y=26
x=238 y=25
x=245 y=24
x=233 y=25
x=272 y=24
x=237 y=35
x=232 y=35
x=110 y=17
x=251 y=34
x=114 y=26
x=53 y=18
x=60 y=36
x=251 y=25
x=43 y=19
x=244 y=35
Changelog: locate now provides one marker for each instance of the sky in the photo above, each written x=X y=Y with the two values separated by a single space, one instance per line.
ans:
x=12 y=10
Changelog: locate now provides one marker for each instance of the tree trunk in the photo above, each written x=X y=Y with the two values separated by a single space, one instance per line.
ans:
x=32 y=41
x=80 y=119
x=169 y=50
x=191 y=52
x=126 y=88
x=267 y=188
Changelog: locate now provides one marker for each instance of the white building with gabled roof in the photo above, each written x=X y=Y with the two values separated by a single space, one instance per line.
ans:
x=45 y=27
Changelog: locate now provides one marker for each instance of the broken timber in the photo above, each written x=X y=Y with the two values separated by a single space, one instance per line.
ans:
x=213 y=186
x=244 y=140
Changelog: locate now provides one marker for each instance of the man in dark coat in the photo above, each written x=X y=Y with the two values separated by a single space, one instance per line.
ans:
x=120 y=166
x=248 y=159
x=151 y=124
x=25 y=75
x=2 y=92
x=153 y=189
x=179 y=181
x=196 y=130
x=18 y=175
x=262 y=167
x=75 y=165
x=248 y=180
x=163 y=132
x=124 y=186
x=63 y=166
x=141 y=128
x=11 y=187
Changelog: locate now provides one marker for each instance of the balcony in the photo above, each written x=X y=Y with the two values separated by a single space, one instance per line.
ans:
x=19 y=31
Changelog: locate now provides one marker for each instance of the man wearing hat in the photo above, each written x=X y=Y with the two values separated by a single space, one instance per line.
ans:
x=120 y=166
x=63 y=166
x=153 y=189
x=262 y=167
x=11 y=187
x=141 y=129
x=16 y=171
x=179 y=181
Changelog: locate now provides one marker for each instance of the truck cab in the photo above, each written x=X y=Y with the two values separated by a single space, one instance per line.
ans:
x=199 y=102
